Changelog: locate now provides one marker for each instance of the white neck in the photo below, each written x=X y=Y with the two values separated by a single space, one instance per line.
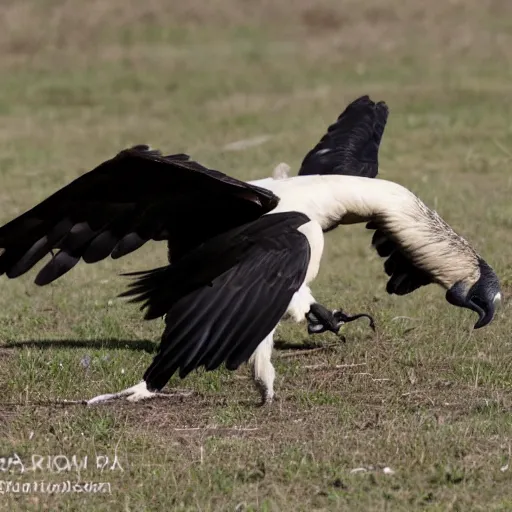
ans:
x=332 y=200
x=421 y=234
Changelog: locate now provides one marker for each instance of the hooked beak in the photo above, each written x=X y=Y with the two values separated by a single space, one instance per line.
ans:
x=484 y=308
x=482 y=301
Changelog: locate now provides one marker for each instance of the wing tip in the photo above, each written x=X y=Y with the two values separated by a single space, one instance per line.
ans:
x=351 y=144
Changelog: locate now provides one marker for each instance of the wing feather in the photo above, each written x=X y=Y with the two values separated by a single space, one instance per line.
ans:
x=351 y=144
x=404 y=276
x=241 y=287
x=138 y=195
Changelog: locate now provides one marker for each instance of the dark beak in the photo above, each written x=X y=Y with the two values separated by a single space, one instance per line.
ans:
x=485 y=310
x=483 y=303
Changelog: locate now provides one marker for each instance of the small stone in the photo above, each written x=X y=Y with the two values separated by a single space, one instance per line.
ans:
x=85 y=362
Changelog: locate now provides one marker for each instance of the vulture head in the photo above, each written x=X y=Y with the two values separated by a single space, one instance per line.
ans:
x=421 y=248
x=481 y=294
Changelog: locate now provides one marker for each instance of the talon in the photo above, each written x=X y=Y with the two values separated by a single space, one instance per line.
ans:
x=136 y=393
x=320 y=319
x=344 y=318
x=266 y=402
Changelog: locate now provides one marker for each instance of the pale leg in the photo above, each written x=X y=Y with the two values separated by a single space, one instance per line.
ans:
x=134 y=394
x=262 y=369
x=300 y=304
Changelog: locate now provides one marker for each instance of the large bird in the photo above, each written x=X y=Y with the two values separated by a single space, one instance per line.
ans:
x=242 y=256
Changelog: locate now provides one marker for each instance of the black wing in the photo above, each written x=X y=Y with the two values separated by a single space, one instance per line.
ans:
x=404 y=276
x=351 y=144
x=114 y=209
x=222 y=299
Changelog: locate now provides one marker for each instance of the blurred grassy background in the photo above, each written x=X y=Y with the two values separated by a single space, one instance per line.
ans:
x=426 y=396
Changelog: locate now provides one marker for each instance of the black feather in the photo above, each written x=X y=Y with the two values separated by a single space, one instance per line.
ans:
x=10 y=257
x=100 y=247
x=128 y=244
x=382 y=244
x=28 y=260
x=61 y=263
x=18 y=265
x=404 y=276
x=351 y=144
x=224 y=297
x=114 y=209
x=79 y=235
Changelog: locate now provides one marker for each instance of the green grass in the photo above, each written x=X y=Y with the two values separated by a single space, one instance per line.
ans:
x=426 y=396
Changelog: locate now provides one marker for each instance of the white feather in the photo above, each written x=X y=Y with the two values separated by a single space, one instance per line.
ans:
x=422 y=235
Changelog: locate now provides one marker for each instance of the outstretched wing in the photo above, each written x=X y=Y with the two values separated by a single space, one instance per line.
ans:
x=404 y=275
x=351 y=144
x=138 y=195
x=222 y=299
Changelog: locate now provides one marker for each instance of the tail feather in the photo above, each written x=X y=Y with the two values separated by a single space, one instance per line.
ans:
x=154 y=288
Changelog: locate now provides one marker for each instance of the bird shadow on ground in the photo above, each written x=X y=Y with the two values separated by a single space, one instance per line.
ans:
x=285 y=345
x=148 y=346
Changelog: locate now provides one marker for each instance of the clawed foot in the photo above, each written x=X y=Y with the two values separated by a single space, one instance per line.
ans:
x=343 y=318
x=320 y=319
x=266 y=394
x=266 y=403
x=136 y=393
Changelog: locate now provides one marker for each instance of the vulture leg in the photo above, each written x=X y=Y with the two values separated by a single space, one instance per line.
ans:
x=320 y=319
x=136 y=393
x=263 y=371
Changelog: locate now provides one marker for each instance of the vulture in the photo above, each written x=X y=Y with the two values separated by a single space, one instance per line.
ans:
x=241 y=254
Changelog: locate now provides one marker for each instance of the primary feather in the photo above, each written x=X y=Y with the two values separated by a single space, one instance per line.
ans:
x=114 y=209
x=351 y=144
x=225 y=296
